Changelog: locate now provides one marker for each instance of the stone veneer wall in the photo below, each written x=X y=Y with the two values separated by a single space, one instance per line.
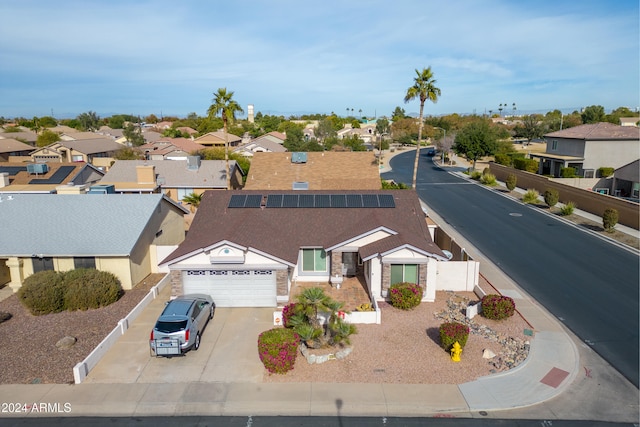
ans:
x=386 y=277
x=282 y=282
x=177 y=288
x=336 y=263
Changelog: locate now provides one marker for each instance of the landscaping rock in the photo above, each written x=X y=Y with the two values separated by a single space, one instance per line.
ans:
x=66 y=343
x=488 y=354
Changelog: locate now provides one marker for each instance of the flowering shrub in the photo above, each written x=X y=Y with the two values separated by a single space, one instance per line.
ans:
x=452 y=332
x=278 y=349
x=497 y=307
x=287 y=313
x=405 y=296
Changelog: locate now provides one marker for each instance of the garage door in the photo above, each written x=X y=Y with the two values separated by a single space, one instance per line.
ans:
x=233 y=288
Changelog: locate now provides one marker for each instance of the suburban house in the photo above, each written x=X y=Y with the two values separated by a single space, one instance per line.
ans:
x=26 y=136
x=274 y=136
x=99 y=152
x=170 y=149
x=45 y=178
x=327 y=170
x=247 y=248
x=629 y=121
x=589 y=147
x=367 y=133
x=175 y=178
x=626 y=181
x=110 y=232
x=217 y=139
x=262 y=144
x=10 y=147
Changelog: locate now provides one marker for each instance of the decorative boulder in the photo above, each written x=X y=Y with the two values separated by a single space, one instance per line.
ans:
x=66 y=343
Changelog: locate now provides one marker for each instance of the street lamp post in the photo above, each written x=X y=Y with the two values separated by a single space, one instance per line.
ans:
x=444 y=138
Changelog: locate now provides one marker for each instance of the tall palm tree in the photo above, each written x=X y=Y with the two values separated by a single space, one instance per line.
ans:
x=424 y=89
x=227 y=107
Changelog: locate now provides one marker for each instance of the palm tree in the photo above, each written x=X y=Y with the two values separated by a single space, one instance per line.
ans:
x=193 y=199
x=423 y=88
x=227 y=107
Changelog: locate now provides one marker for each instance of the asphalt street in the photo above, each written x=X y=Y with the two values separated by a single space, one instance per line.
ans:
x=588 y=283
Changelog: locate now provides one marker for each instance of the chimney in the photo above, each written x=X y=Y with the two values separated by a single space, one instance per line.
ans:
x=146 y=174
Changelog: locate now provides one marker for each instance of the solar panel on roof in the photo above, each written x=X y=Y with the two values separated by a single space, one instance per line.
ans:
x=274 y=201
x=290 y=201
x=306 y=201
x=386 y=201
x=338 y=201
x=370 y=200
x=57 y=177
x=237 y=200
x=253 y=201
x=354 y=200
x=12 y=170
x=322 y=201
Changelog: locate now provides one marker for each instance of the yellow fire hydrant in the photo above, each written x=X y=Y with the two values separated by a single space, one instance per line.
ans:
x=456 y=350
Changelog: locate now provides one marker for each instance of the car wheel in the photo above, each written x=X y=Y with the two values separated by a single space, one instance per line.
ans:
x=196 y=345
x=211 y=313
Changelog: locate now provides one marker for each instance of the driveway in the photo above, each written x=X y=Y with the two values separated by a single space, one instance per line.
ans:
x=228 y=352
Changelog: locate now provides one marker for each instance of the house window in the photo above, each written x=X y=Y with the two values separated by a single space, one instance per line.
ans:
x=554 y=145
x=84 y=262
x=314 y=261
x=42 y=264
x=183 y=192
x=404 y=273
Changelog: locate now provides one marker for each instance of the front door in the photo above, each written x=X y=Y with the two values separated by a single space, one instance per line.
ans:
x=349 y=263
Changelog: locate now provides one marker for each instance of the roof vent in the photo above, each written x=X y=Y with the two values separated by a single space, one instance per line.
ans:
x=300 y=185
x=298 y=157
x=193 y=163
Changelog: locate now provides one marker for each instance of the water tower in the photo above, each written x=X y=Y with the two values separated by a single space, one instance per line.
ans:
x=250 y=113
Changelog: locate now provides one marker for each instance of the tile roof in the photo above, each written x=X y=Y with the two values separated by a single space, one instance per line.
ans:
x=74 y=225
x=281 y=232
x=598 y=131
x=327 y=170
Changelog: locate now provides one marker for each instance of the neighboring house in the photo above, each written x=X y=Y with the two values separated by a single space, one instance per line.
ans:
x=629 y=121
x=261 y=144
x=78 y=136
x=274 y=136
x=150 y=135
x=25 y=136
x=367 y=133
x=247 y=248
x=60 y=129
x=99 y=152
x=328 y=170
x=589 y=147
x=112 y=232
x=175 y=178
x=12 y=147
x=217 y=139
x=170 y=149
x=46 y=177
x=626 y=181
x=116 y=134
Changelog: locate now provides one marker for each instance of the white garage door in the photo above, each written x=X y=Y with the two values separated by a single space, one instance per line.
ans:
x=233 y=288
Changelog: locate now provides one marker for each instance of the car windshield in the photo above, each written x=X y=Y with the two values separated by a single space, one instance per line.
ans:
x=170 y=327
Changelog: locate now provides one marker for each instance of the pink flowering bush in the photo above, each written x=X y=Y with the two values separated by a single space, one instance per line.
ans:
x=497 y=307
x=452 y=332
x=288 y=311
x=405 y=296
x=278 y=349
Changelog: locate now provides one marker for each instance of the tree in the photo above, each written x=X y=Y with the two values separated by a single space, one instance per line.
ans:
x=128 y=153
x=476 y=140
x=227 y=107
x=551 y=197
x=89 y=121
x=295 y=139
x=593 y=114
x=382 y=126
x=424 y=89
x=354 y=143
x=531 y=127
x=47 y=137
x=398 y=114
x=133 y=135
x=193 y=199
x=609 y=219
x=324 y=129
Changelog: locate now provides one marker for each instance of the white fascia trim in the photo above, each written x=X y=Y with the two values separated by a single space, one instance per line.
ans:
x=360 y=236
x=181 y=258
x=414 y=249
x=223 y=243
x=271 y=257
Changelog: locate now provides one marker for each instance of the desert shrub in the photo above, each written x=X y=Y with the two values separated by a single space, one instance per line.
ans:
x=43 y=292
x=278 y=349
x=511 y=182
x=503 y=159
x=486 y=171
x=605 y=171
x=288 y=311
x=475 y=175
x=551 y=197
x=405 y=295
x=529 y=165
x=497 y=307
x=90 y=288
x=567 y=209
x=451 y=332
x=531 y=196
x=568 y=172
x=4 y=316
x=489 y=179
x=609 y=219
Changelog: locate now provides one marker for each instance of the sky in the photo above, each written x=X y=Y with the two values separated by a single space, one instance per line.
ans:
x=291 y=57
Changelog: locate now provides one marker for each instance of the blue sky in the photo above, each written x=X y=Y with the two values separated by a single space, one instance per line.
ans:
x=292 y=57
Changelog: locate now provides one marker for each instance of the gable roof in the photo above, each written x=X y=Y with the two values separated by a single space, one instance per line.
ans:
x=185 y=144
x=84 y=225
x=10 y=145
x=281 y=232
x=328 y=170
x=217 y=137
x=26 y=135
x=260 y=145
x=75 y=173
x=598 y=131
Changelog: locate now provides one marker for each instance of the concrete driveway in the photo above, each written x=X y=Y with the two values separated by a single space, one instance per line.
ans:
x=228 y=352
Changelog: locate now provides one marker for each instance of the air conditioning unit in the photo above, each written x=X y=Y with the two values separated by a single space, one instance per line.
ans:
x=37 y=168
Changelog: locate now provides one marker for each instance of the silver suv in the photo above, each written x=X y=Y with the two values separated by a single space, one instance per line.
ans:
x=180 y=326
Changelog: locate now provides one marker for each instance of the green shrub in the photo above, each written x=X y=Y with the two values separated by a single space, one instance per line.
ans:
x=609 y=219
x=278 y=349
x=568 y=172
x=529 y=165
x=531 y=196
x=90 y=288
x=503 y=159
x=489 y=179
x=497 y=307
x=43 y=292
x=551 y=197
x=511 y=182
x=475 y=175
x=451 y=332
x=567 y=209
x=405 y=295
x=486 y=171
x=605 y=171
